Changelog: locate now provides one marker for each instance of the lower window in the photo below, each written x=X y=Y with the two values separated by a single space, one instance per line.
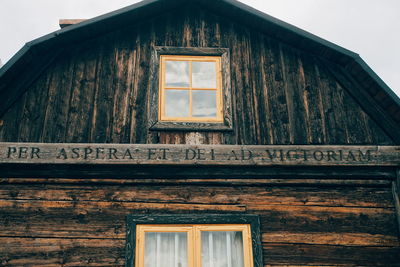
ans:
x=154 y=242
x=193 y=245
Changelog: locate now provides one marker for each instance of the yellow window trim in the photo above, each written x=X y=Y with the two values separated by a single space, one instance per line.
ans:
x=194 y=240
x=162 y=87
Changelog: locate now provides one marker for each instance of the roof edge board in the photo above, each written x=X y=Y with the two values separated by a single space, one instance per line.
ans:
x=21 y=52
x=378 y=80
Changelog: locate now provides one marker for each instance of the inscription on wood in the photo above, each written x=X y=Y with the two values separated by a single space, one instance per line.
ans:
x=35 y=153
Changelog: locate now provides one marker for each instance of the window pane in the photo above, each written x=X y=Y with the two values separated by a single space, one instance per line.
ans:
x=176 y=103
x=165 y=250
x=222 y=249
x=204 y=75
x=177 y=74
x=204 y=103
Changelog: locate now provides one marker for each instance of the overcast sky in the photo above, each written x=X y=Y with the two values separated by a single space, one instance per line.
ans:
x=370 y=28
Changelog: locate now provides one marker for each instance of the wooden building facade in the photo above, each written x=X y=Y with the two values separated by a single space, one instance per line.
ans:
x=307 y=149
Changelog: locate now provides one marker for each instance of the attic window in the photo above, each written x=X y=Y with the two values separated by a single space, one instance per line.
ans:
x=191 y=89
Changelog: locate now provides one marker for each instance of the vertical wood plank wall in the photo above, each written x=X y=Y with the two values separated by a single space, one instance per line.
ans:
x=98 y=90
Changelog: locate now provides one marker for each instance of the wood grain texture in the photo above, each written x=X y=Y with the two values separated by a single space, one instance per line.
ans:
x=21 y=83
x=323 y=211
x=82 y=95
x=99 y=90
x=85 y=224
x=59 y=92
x=333 y=239
x=61 y=252
x=365 y=100
x=314 y=175
x=252 y=238
x=197 y=194
x=236 y=182
x=100 y=252
x=194 y=153
x=300 y=254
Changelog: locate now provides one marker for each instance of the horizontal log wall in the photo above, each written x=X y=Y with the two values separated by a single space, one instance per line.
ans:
x=65 y=223
x=98 y=91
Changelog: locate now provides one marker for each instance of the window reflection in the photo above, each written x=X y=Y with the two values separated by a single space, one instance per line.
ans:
x=177 y=103
x=204 y=103
x=204 y=75
x=177 y=74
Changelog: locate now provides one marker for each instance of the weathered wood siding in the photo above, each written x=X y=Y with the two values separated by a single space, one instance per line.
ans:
x=55 y=222
x=98 y=90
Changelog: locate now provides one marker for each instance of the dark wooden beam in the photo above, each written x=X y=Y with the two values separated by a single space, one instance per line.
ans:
x=198 y=155
x=396 y=196
x=98 y=171
x=131 y=161
x=259 y=182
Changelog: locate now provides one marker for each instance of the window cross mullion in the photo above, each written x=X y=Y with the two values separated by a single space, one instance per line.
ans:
x=202 y=100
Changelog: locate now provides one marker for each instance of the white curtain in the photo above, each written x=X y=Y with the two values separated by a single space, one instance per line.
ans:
x=165 y=250
x=218 y=249
x=222 y=249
